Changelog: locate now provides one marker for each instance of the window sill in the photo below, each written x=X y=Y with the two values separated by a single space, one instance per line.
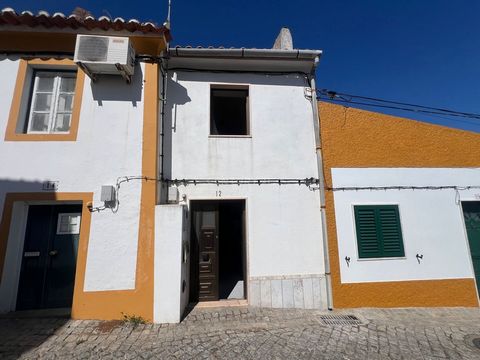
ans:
x=383 y=258
x=41 y=137
x=230 y=136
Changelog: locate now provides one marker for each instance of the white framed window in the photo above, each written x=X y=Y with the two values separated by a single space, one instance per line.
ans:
x=68 y=223
x=51 y=102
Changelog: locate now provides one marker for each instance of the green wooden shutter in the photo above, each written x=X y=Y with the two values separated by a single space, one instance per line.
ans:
x=379 y=233
x=367 y=232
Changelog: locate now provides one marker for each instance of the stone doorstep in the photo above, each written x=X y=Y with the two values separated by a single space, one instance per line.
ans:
x=218 y=304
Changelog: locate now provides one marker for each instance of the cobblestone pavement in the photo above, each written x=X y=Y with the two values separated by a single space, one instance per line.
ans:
x=250 y=333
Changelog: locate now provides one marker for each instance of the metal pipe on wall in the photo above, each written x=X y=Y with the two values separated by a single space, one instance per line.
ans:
x=163 y=99
x=318 y=150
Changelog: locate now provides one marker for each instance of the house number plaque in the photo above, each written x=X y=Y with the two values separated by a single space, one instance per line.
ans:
x=50 y=185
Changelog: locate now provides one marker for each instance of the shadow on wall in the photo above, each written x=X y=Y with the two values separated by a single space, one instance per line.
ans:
x=115 y=88
x=25 y=325
x=269 y=79
x=176 y=95
x=16 y=186
x=20 y=186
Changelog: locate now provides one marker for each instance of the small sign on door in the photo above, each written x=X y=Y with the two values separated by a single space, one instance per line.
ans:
x=31 y=253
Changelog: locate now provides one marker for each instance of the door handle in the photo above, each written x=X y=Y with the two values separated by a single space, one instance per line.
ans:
x=53 y=253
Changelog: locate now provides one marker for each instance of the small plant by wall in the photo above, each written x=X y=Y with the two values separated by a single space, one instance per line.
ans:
x=132 y=319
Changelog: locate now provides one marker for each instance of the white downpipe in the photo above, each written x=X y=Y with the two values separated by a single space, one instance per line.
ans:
x=318 y=150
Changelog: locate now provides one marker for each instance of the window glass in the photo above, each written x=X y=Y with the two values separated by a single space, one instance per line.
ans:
x=62 y=122
x=43 y=102
x=45 y=83
x=52 y=102
x=68 y=223
x=39 y=122
x=67 y=84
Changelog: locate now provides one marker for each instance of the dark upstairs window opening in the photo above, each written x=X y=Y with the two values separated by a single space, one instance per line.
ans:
x=229 y=112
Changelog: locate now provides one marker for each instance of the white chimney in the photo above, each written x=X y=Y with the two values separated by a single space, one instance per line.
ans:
x=284 y=40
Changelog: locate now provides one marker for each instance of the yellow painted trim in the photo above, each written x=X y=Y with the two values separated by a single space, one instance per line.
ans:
x=359 y=138
x=85 y=198
x=420 y=293
x=11 y=134
x=109 y=305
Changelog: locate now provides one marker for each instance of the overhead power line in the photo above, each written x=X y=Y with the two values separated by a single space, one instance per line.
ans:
x=335 y=96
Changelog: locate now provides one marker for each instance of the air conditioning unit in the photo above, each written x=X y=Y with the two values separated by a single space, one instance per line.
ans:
x=105 y=55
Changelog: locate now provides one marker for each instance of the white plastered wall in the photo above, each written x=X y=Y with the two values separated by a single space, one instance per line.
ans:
x=431 y=220
x=171 y=263
x=284 y=240
x=108 y=145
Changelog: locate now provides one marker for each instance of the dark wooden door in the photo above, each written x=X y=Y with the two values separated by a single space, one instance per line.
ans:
x=49 y=258
x=471 y=213
x=205 y=238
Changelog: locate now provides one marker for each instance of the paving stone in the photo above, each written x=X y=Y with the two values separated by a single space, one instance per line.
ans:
x=251 y=333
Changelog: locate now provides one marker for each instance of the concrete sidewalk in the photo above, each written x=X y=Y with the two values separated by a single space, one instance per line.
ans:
x=251 y=333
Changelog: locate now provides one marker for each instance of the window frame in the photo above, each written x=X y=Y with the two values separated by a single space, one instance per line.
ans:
x=355 y=232
x=18 y=121
x=76 y=230
x=219 y=86
x=56 y=74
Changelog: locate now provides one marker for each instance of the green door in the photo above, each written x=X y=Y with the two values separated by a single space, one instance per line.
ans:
x=49 y=258
x=471 y=213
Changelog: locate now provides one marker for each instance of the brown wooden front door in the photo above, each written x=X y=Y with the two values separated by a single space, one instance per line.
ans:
x=208 y=264
x=205 y=247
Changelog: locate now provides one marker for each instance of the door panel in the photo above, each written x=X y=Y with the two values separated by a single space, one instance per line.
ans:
x=205 y=246
x=62 y=255
x=208 y=264
x=471 y=213
x=48 y=267
x=34 y=259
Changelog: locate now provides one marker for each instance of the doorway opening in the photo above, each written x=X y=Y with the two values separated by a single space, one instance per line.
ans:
x=471 y=216
x=218 y=256
x=49 y=257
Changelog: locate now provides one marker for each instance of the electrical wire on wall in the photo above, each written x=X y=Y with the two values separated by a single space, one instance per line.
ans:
x=279 y=181
x=114 y=206
x=404 y=187
x=309 y=182
x=456 y=188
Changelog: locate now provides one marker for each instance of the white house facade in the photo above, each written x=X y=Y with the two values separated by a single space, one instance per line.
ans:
x=253 y=215
x=73 y=234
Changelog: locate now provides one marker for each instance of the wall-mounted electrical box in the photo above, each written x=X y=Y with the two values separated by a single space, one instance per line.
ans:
x=105 y=55
x=173 y=195
x=108 y=193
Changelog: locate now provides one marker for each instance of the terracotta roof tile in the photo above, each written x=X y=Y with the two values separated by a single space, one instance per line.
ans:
x=9 y=16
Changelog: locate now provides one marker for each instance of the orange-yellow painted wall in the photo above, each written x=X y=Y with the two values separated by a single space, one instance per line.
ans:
x=359 y=138
x=109 y=305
